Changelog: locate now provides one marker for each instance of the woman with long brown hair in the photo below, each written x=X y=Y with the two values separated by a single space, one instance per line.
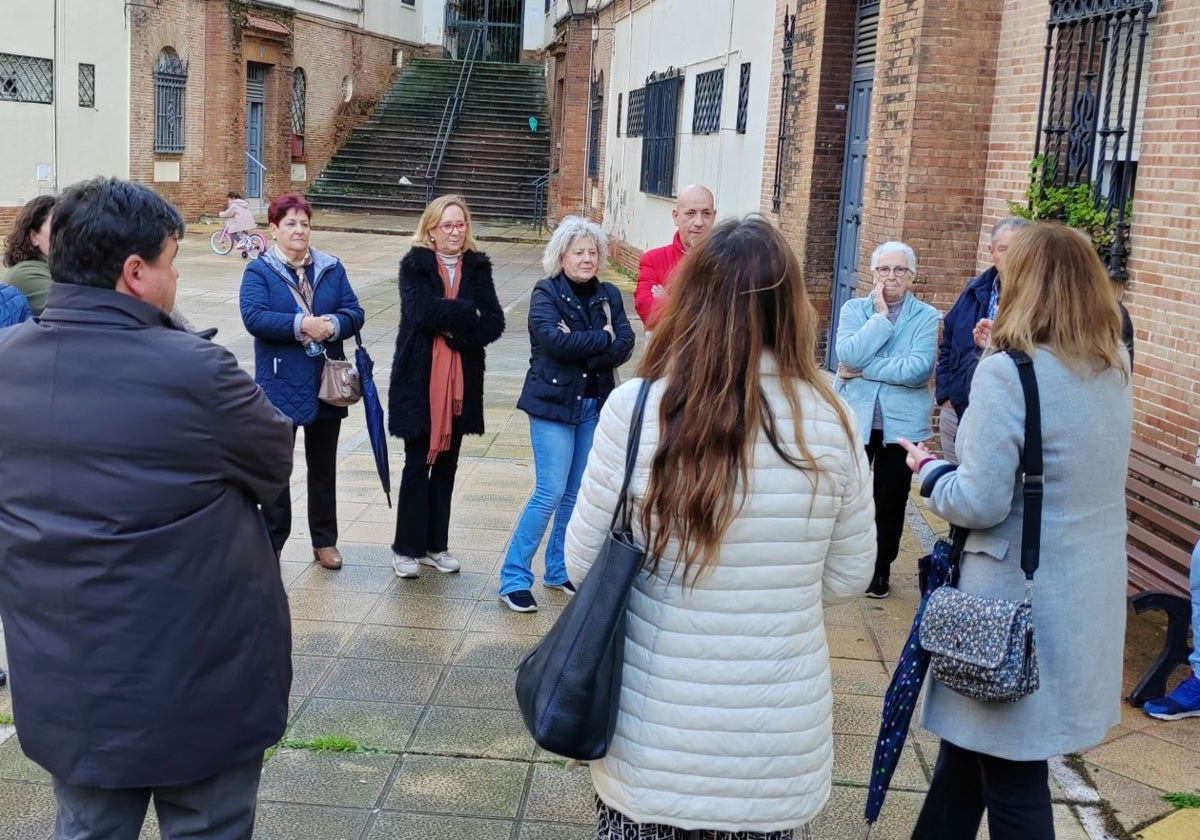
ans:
x=1056 y=306
x=752 y=496
x=27 y=250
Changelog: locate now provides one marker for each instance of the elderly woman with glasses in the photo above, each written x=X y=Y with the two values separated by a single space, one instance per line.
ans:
x=579 y=335
x=448 y=315
x=886 y=349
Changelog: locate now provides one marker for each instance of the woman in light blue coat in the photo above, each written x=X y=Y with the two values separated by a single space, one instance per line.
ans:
x=886 y=348
x=1057 y=306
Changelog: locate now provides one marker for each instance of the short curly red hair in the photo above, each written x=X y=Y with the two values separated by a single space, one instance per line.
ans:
x=280 y=206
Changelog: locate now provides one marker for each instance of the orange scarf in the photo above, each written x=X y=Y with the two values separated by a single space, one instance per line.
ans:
x=445 y=377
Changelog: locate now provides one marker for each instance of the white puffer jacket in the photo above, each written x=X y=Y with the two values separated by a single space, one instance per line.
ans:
x=726 y=716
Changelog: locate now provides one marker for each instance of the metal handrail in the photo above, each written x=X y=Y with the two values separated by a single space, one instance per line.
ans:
x=450 y=115
x=539 y=185
x=259 y=164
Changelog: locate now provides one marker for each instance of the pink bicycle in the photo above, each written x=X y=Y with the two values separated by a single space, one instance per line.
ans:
x=250 y=243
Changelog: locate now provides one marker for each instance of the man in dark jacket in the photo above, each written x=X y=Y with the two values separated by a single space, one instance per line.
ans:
x=964 y=335
x=147 y=626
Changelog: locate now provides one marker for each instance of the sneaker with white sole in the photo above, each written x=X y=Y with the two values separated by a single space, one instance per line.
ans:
x=1183 y=702
x=442 y=561
x=520 y=601
x=405 y=567
x=565 y=586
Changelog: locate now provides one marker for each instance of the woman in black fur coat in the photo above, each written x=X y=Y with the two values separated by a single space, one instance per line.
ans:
x=448 y=314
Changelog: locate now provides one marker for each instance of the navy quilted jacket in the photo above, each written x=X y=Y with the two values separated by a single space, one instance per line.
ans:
x=13 y=307
x=289 y=376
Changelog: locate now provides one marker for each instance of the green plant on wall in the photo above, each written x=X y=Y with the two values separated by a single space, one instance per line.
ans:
x=1073 y=204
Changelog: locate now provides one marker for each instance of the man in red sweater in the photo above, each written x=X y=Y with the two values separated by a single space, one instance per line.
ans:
x=694 y=215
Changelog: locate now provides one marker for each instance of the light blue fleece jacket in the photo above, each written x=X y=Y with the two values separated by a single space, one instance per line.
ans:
x=897 y=363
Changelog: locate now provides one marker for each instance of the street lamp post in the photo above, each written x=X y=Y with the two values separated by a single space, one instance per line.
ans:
x=579 y=8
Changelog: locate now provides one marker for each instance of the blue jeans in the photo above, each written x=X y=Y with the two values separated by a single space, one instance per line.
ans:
x=1194 y=577
x=560 y=453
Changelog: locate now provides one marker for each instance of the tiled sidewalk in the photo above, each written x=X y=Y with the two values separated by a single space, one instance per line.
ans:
x=419 y=673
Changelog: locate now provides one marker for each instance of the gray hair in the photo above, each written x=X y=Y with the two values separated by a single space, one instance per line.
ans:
x=1013 y=223
x=570 y=229
x=888 y=247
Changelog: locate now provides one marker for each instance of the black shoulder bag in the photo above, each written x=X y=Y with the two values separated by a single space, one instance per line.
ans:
x=569 y=686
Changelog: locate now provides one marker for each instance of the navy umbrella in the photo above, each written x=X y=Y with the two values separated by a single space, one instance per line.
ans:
x=374 y=409
x=901 y=698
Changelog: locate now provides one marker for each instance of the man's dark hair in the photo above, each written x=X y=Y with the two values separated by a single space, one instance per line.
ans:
x=99 y=224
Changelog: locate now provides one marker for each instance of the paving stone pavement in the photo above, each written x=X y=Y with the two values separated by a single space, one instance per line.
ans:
x=420 y=672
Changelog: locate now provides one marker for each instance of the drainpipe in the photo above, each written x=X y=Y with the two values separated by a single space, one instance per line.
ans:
x=56 y=65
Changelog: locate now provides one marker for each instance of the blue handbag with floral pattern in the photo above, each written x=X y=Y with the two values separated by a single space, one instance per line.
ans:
x=985 y=648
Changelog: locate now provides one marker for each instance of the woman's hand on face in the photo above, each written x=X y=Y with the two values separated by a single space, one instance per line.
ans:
x=877 y=299
x=917 y=452
x=563 y=328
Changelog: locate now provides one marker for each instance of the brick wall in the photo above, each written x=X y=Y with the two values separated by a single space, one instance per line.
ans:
x=935 y=72
x=570 y=104
x=602 y=52
x=211 y=38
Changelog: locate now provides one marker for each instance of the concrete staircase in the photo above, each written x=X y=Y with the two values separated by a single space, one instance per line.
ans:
x=492 y=158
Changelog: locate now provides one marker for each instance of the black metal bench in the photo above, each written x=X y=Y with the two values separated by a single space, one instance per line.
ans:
x=1162 y=494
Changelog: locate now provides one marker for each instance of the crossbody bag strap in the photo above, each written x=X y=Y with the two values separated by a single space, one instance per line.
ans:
x=1033 y=480
x=300 y=301
x=622 y=514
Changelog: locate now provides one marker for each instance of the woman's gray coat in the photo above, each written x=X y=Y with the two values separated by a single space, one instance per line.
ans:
x=1079 y=588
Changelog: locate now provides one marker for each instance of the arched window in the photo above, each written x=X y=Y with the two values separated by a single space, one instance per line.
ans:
x=299 y=92
x=170 y=83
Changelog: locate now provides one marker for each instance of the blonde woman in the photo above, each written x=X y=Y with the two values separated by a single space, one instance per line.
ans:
x=448 y=315
x=1057 y=306
x=752 y=496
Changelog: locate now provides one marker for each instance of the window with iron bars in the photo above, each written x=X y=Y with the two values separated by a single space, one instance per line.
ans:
x=594 y=131
x=706 y=115
x=87 y=85
x=25 y=78
x=1089 y=115
x=170 y=84
x=661 y=127
x=636 y=114
x=299 y=112
x=743 y=99
x=618 y=112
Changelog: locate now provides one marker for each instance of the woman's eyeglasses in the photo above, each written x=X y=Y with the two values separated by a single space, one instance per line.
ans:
x=891 y=271
x=452 y=227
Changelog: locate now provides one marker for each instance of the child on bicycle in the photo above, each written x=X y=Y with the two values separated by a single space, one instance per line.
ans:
x=237 y=210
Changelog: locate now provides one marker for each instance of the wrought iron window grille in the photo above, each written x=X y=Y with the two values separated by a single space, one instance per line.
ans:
x=25 y=78
x=170 y=84
x=1087 y=130
x=619 y=106
x=706 y=114
x=594 y=130
x=299 y=97
x=635 y=117
x=743 y=110
x=661 y=127
x=87 y=85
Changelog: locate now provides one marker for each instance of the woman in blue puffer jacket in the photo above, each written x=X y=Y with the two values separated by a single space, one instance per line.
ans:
x=290 y=345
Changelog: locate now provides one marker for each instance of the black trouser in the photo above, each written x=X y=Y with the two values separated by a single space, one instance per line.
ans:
x=1015 y=794
x=217 y=808
x=423 y=511
x=320 y=456
x=892 y=481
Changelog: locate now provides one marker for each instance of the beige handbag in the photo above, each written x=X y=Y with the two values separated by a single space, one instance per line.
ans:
x=340 y=385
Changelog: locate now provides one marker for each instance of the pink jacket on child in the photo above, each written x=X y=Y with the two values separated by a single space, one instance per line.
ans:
x=239 y=212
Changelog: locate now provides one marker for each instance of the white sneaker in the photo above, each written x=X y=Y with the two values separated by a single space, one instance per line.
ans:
x=442 y=561
x=405 y=567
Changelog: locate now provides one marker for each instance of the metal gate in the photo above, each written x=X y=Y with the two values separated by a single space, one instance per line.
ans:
x=500 y=20
x=256 y=97
x=858 y=124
